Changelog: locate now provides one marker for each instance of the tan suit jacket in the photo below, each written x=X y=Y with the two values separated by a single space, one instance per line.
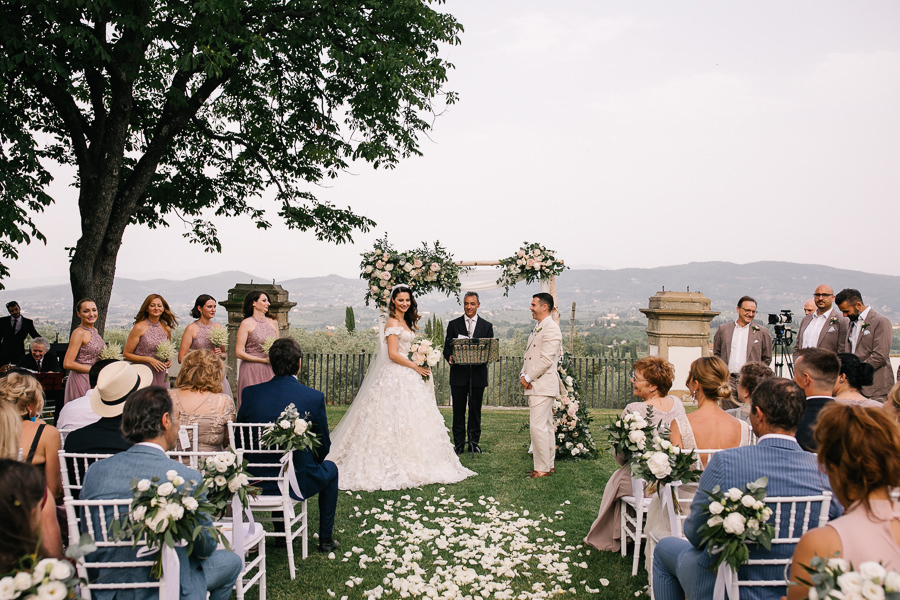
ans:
x=874 y=347
x=833 y=336
x=542 y=355
x=759 y=343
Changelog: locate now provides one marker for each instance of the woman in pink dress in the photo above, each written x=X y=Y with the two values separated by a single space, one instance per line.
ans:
x=153 y=325
x=258 y=326
x=84 y=348
x=196 y=335
x=859 y=450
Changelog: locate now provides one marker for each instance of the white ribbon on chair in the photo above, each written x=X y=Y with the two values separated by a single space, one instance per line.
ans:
x=171 y=568
x=726 y=583
x=287 y=463
x=668 y=505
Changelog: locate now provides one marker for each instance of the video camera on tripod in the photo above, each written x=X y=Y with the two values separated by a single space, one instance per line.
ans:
x=784 y=336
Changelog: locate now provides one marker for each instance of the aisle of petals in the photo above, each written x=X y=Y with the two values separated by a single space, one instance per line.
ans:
x=449 y=548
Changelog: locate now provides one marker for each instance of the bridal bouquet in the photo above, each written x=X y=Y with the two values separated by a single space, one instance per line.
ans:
x=423 y=353
x=267 y=344
x=224 y=477
x=111 y=351
x=663 y=462
x=166 y=514
x=630 y=434
x=836 y=579
x=290 y=432
x=218 y=337
x=532 y=262
x=165 y=350
x=734 y=519
x=50 y=579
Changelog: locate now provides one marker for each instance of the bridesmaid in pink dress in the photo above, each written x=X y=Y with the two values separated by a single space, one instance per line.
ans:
x=84 y=348
x=196 y=335
x=257 y=326
x=153 y=325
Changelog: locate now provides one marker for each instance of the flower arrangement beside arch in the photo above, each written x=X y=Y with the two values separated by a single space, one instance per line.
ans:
x=532 y=262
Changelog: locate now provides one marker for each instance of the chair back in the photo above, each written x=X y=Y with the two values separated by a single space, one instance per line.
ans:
x=262 y=461
x=73 y=466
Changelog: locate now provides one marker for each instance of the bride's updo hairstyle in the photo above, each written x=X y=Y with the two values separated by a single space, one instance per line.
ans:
x=712 y=374
x=412 y=315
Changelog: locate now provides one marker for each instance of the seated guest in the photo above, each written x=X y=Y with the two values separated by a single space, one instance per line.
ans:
x=854 y=374
x=10 y=448
x=22 y=495
x=859 y=449
x=750 y=376
x=78 y=412
x=816 y=372
x=651 y=380
x=150 y=423
x=892 y=405
x=682 y=567
x=199 y=399
x=264 y=402
x=38 y=360
x=40 y=442
x=115 y=384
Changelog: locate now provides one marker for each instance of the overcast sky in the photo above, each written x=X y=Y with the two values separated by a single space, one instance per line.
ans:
x=620 y=134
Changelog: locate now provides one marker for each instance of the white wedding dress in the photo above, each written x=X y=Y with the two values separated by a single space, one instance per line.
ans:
x=393 y=436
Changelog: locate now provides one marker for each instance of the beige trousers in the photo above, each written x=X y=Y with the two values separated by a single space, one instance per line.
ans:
x=543 y=434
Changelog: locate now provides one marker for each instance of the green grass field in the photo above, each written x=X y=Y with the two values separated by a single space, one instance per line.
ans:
x=496 y=535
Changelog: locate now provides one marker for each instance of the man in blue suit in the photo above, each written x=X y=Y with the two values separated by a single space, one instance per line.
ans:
x=150 y=423
x=263 y=403
x=683 y=567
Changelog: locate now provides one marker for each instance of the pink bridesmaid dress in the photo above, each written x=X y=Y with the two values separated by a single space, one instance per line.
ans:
x=78 y=384
x=201 y=342
x=252 y=373
x=146 y=346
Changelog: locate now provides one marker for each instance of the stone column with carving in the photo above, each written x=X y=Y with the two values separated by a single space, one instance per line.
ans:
x=678 y=330
x=279 y=307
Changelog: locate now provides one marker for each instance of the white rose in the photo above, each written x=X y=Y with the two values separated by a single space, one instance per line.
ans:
x=748 y=501
x=753 y=525
x=659 y=465
x=143 y=485
x=765 y=513
x=171 y=474
x=569 y=381
x=872 y=571
x=191 y=503
x=219 y=480
x=234 y=485
x=176 y=511
x=139 y=513
x=245 y=481
x=159 y=522
x=575 y=451
x=638 y=437
x=8 y=587
x=851 y=582
x=716 y=508
x=618 y=423
x=284 y=424
x=55 y=590
x=676 y=450
x=758 y=505
x=369 y=268
x=300 y=426
x=872 y=591
x=892 y=582
x=165 y=489
x=734 y=523
x=734 y=494
x=838 y=564
x=229 y=458
x=714 y=521
x=179 y=480
x=813 y=594
x=665 y=444
x=22 y=581
x=221 y=467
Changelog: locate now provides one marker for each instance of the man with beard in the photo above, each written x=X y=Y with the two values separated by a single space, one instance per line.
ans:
x=869 y=339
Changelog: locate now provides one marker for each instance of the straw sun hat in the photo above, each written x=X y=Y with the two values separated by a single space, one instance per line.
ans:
x=115 y=383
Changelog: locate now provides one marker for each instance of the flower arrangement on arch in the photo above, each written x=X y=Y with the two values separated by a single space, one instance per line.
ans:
x=427 y=269
x=168 y=514
x=290 y=431
x=630 y=434
x=835 y=578
x=224 y=477
x=571 y=418
x=423 y=353
x=532 y=262
x=734 y=519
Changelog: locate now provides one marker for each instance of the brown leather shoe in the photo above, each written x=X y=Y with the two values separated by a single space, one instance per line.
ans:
x=537 y=474
x=553 y=469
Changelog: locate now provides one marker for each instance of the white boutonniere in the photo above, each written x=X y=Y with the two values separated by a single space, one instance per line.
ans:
x=833 y=320
x=754 y=327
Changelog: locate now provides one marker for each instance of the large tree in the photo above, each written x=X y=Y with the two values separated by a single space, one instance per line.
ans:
x=174 y=109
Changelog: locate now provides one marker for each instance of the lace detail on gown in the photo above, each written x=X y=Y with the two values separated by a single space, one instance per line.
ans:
x=255 y=338
x=394 y=437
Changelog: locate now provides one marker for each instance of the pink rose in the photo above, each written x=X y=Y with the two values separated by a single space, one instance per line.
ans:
x=530 y=263
x=520 y=253
x=385 y=275
x=417 y=263
x=379 y=264
x=435 y=267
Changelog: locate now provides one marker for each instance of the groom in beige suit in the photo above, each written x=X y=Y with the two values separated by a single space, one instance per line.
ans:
x=541 y=382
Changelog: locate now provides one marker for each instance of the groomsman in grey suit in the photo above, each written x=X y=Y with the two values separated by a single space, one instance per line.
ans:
x=740 y=342
x=683 y=567
x=541 y=381
x=825 y=327
x=152 y=425
x=870 y=339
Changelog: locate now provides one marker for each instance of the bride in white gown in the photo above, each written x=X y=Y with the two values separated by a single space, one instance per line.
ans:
x=393 y=436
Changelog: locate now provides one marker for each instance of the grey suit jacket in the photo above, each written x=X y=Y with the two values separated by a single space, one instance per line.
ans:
x=759 y=343
x=833 y=336
x=874 y=347
x=110 y=479
x=791 y=472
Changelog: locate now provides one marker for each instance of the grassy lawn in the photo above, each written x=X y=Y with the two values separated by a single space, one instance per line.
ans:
x=471 y=539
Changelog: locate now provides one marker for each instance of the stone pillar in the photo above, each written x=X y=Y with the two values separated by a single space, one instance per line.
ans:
x=279 y=308
x=678 y=330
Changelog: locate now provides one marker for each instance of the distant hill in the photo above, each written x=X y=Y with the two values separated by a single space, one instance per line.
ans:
x=775 y=285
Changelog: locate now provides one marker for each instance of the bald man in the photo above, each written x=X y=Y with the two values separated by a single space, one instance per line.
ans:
x=825 y=327
x=809 y=306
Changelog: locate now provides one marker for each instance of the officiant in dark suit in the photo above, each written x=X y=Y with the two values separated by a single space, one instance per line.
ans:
x=39 y=359
x=13 y=331
x=467 y=382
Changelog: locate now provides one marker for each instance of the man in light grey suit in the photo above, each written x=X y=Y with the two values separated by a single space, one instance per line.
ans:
x=150 y=423
x=683 y=567
x=541 y=381
x=825 y=327
x=870 y=339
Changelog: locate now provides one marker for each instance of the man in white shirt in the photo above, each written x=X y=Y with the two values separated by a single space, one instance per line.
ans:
x=740 y=342
x=824 y=328
x=78 y=413
x=870 y=339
